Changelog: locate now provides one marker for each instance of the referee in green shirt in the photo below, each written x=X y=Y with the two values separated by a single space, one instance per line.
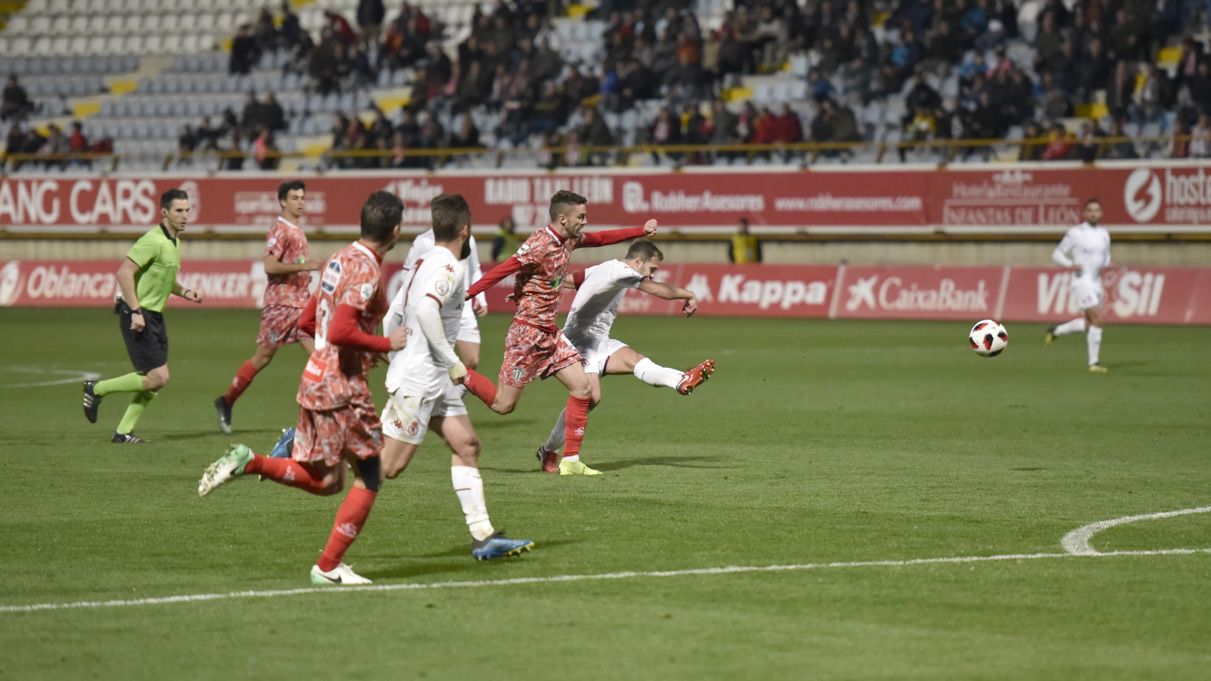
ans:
x=146 y=278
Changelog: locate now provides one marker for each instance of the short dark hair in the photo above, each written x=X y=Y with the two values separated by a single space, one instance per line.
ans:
x=450 y=213
x=381 y=214
x=174 y=194
x=1093 y=199
x=286 y=187
x=563 y=200
x=644 y=249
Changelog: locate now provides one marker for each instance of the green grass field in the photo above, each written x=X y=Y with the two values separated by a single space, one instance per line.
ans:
x=835 y=448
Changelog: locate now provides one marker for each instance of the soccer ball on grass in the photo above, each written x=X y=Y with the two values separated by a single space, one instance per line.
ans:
x=988 y=338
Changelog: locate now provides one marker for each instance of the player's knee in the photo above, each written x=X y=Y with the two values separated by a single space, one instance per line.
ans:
x=503 y=408
x=584 y=392
x=156 y=379
x=468 y=452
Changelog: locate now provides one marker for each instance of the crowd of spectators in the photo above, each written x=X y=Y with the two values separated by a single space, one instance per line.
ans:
x=949 y=69
x=54 y=149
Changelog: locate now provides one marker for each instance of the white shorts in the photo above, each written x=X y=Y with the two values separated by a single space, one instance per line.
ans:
x=1086 y=293
x=594 y=357
x=468 y=326
x=407 y=418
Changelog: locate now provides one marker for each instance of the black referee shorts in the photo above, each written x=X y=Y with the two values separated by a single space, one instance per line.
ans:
x=148 y=348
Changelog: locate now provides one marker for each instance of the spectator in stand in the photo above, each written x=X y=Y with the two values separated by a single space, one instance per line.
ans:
x=1118 y=146
x=665 y=130
x=1089 y=142
x=16 y=103
x=77 y=144
x=264 y=150
x=265 y=32
x=252 y=118
x=506 y=242
x=324 y=67
x=1059 y=144
x=467 y=136
x=187 y=141
x=233 y=156
x=340 y=27
x=1200 y=137
x=273 y=116
x=245 y=52
x=1179 y=140
x=54 y=147
x=290 y=31
x=744 y=248
x=370 y=14
x=207 y=135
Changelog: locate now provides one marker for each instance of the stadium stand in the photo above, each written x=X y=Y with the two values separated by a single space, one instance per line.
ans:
x=343 y=84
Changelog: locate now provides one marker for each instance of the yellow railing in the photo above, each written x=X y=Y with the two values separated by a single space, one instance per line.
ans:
x=806 y=153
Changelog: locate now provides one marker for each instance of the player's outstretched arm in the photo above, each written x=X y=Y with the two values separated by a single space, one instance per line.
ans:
x=345 y=332
x=494 y=275
x=670 y=292
x=613 y=236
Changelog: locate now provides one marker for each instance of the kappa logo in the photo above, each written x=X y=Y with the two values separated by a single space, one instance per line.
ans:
x=347 y=529
x=1142 y=194
x=700 y=286
x=862 y=292
x=397 y=424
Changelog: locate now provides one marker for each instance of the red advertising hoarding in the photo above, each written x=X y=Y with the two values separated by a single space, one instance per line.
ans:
x=1134 y=295
x=1141 y=197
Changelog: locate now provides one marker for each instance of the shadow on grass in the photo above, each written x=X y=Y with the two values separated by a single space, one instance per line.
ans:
x=250 y=436
x=673 y=461
x=454 y=560
x=507 y=421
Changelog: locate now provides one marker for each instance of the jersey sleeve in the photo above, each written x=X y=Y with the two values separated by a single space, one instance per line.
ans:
x=143 y=251
x=531 y=253
x=276 y=242
x=1061 y=255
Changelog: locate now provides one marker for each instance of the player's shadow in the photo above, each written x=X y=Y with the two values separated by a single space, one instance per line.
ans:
x=455 y=559
x=240 y=435
x=673 y=461
x=489 y=423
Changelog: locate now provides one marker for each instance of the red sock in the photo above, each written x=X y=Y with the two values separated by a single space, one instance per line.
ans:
x=575 y=420
x=243 y=379
x=480 y=386
x=350 y=518
x=286 y=471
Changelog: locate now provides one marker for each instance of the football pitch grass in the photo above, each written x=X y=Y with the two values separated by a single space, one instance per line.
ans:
x=906 y=499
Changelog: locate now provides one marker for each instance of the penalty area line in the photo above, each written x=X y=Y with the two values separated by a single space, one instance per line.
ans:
x=559 y=579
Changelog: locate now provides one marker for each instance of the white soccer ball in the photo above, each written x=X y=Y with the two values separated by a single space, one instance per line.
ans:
x=988 y=338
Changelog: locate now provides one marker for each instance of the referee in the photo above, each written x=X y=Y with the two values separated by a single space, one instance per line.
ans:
x=146 y=278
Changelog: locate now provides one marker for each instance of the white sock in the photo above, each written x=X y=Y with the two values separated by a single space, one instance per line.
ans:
x=1093 y=342
x=555 y=440
x=653 y=374
x=574 y=458
x=1073 y=326
x=470 y=490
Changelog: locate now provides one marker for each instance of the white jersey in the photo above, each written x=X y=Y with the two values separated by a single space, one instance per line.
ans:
x=424 y=242
x=1086 y=247
x=595 y=306
x=415 y=369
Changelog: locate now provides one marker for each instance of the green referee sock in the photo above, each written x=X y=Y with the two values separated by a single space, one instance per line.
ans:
x=130 y=383
x=135 y=410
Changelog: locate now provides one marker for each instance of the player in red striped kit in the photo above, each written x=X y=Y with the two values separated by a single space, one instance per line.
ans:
x=286 y=294
x=338 y=422
x=534 y=345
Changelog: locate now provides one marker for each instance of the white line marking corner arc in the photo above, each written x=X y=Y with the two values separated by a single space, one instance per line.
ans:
x=71 y=376
x=1076 y=542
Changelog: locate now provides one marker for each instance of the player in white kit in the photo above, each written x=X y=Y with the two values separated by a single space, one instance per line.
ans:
x=600 y=290
x=467 y=340
x=1085 y=249
x=423 y=377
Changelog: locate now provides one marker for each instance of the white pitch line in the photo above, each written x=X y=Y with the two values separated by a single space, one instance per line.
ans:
x=73 y=376
x=559 y=579
x=1076 y=542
